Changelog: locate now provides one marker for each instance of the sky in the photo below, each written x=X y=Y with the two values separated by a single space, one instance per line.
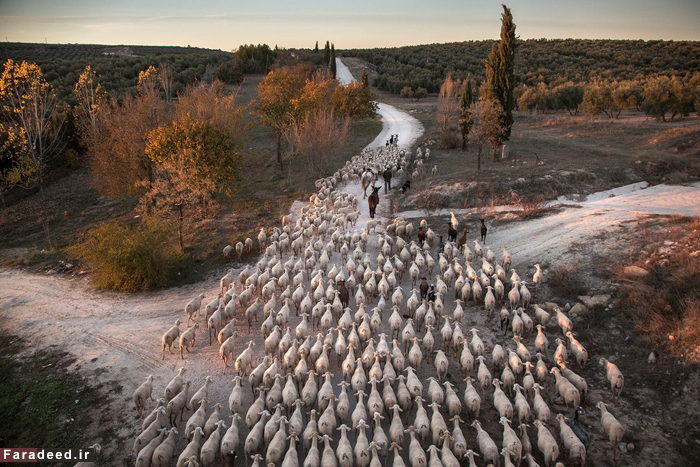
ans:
x=226 y=24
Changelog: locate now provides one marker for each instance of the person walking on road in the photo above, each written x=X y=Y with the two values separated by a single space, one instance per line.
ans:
x=387 y=180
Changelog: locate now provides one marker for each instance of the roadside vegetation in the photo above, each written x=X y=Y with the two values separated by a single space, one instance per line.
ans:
x=181 y=171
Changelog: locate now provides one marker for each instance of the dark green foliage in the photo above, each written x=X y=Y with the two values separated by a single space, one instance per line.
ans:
x=465 y=103
x=363 y=78
x=255 y=59
x=500 y=70
x=316 y=47
x=551 y=61
x=117 y=66
x=332 y=64
x=230 y=73
x=41 y=402
x=327 y=53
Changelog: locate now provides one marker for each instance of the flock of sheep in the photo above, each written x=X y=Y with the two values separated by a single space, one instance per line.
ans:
x=354 y=318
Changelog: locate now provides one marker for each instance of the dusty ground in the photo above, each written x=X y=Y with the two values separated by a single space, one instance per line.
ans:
x=115 y=338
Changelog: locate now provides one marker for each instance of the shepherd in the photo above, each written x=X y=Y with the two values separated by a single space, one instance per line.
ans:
x=387 y=180
x=373 y=200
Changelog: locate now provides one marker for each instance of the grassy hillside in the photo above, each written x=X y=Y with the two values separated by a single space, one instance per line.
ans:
x=536 y=61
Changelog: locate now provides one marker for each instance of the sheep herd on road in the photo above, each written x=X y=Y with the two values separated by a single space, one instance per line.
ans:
x=381 y=347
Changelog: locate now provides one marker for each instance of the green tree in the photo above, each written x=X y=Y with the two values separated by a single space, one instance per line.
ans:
x=327 y=53
x=657 y=97
x=333 y=66
x=681 y=97
x=363 y=78
x=597 y=97
x=568 y=96
x=500 y=69
x=420 y=93
x=465 y=121
x=406 y=92
x=316 y=47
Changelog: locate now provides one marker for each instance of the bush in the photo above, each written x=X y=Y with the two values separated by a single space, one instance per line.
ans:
x=130 y=258
x=564 y=281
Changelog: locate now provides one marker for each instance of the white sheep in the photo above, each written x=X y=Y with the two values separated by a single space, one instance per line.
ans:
x=546 y=443
x=142 y=394
x=611 y=426
x=614 y=375
x=193 y=307
x=169 y=338
x=187 y=339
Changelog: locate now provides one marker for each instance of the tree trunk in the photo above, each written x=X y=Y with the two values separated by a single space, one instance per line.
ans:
x=279 y=149
x=478 y=159
x=494 y=155
x=179 y=225
x=464 y=142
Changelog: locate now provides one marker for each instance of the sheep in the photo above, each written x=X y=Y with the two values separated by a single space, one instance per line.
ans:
x=202 y=393
x=566 y=390
x=501 y=401
x=146 y=453
x=97 y=449
x=521 y=405
x=580 y=353
x=546 y=443
x=197 y=419
x=470 y=455
x=152 y=416
x=511 y=442
x=175 y=385
x=187 y=339
x=243 y=361
x=611 y=427
x=230 y=440
x=542 y=316
x=151 y=431
x=578 y=381
x=472 y=400
x=169 y=338
x=178 y=404
x=143 y=393
x=254 y=439
x=537 y=277
x=163 y=454
x=564 y=322
x=539 y=406
x=571 y=442
x=487 y=446
x=210 y=449
x=227 y=348
x=614 y=375
x=191 y=451
x=193 y=307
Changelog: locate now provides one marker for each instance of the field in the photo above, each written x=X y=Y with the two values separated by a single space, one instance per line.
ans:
x=63 y=341
x=539 y=60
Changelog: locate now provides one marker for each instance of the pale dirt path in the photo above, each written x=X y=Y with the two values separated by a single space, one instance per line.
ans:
x=394 y=121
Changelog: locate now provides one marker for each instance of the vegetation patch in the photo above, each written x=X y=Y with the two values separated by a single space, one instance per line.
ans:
x=130 y=258
x=660 y=287
x=41 y=404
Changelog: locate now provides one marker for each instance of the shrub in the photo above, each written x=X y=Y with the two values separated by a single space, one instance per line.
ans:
x=564 y=281
x=130 y=258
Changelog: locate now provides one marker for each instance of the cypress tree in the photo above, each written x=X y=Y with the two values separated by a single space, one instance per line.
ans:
x=363 y=78
x=327 y=53
x=500 y=69
x=316 y=48
x=465 y=119
x=334 y=69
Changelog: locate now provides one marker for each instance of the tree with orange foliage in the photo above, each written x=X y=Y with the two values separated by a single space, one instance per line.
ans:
x=31 y=125
x=447 y=113
x=192 y=160
x=277 y=94
x=355 y=101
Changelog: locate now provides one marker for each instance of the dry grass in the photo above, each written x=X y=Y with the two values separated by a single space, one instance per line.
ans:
x=665 y=305
x=564 y=280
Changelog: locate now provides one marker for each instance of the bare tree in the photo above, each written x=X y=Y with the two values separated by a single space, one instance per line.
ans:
x=447 y=113
x=316 y=137
x=165 y=73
